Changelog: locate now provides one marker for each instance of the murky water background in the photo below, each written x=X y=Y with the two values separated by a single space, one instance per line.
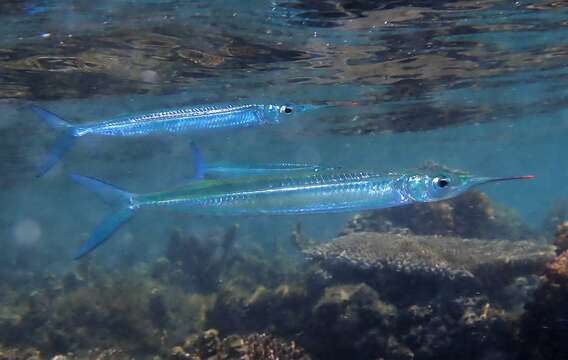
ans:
x=474 y=85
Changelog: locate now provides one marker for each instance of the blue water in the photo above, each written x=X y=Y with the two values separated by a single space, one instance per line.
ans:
x=478 y=86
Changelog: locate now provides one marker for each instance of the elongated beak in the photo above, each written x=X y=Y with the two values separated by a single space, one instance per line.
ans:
x=485 y=180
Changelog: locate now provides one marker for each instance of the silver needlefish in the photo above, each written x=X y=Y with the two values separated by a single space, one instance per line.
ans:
x=203 y=170
x=193 y=119
x=304 y=193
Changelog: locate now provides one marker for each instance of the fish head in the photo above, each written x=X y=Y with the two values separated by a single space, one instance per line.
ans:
x=447 y=185
x=278 y=113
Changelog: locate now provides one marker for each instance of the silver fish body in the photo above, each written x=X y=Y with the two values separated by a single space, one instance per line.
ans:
x=307 y=193
x=187 y=120
x=194 y=119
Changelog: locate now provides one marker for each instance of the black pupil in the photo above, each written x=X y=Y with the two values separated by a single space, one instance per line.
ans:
x=443 y=183
x=287 y=110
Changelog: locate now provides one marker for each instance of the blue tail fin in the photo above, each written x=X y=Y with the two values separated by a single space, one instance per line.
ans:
x=104 y=230
x=113 y=196
x=198 y=163
x=64 y=141
x=110 y=194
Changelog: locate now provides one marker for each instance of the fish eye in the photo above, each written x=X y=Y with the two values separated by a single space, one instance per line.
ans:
x=442 y=182
x=287 y=110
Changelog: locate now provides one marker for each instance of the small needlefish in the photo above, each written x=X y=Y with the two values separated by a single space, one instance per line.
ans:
x=195 y=119
x=324 y=192
x=227 y=171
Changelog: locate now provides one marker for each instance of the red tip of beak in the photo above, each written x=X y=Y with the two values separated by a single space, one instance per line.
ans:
x=526 y=177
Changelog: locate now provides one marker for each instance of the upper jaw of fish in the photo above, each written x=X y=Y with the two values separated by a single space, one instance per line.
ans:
x=476 y=181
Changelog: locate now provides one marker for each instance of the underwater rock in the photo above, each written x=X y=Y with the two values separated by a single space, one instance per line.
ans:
x=283 y=309
x=208 y=345
x=545 y=323
x=487 y=262
x=93 y=354
x=557 y=215
x=455 y=327
x=561 y=237
x=470 y=215
x=129 y=310
x=229 y=313
x=264 y=346
x=356 y=310
x=443 y=328
x=17 y=354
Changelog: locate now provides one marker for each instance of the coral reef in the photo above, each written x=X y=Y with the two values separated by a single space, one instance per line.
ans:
x=376 y=295
x=490 y=262
x=356 y=310
x=208 y=345
x=211 y=264
x=470 y=215
x=152 y=306
x=545 y=323
x=283 y=309
x=352 y=321
x=95 y=314
x=127 y=310
x=17 y=354
x=557 y=215
x=561 y=237
x=34 y=354
x=461 y=328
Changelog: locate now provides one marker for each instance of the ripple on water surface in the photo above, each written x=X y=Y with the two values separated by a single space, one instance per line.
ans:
x=410 y=66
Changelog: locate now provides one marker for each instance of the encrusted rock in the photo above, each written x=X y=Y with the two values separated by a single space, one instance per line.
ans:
x=356 y=310
x=433 y=257
x=209 y=346
x=561 y=237
x=19 y=354
x=545 y=322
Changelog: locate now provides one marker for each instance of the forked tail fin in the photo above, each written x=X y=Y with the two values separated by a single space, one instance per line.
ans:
x=65 y=139
x=112 y=195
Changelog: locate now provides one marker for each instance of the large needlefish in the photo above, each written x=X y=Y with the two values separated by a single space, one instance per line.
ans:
x=302 y=193
x=195 y=119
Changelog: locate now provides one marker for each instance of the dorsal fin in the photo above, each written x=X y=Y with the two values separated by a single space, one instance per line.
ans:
x=198 y=164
